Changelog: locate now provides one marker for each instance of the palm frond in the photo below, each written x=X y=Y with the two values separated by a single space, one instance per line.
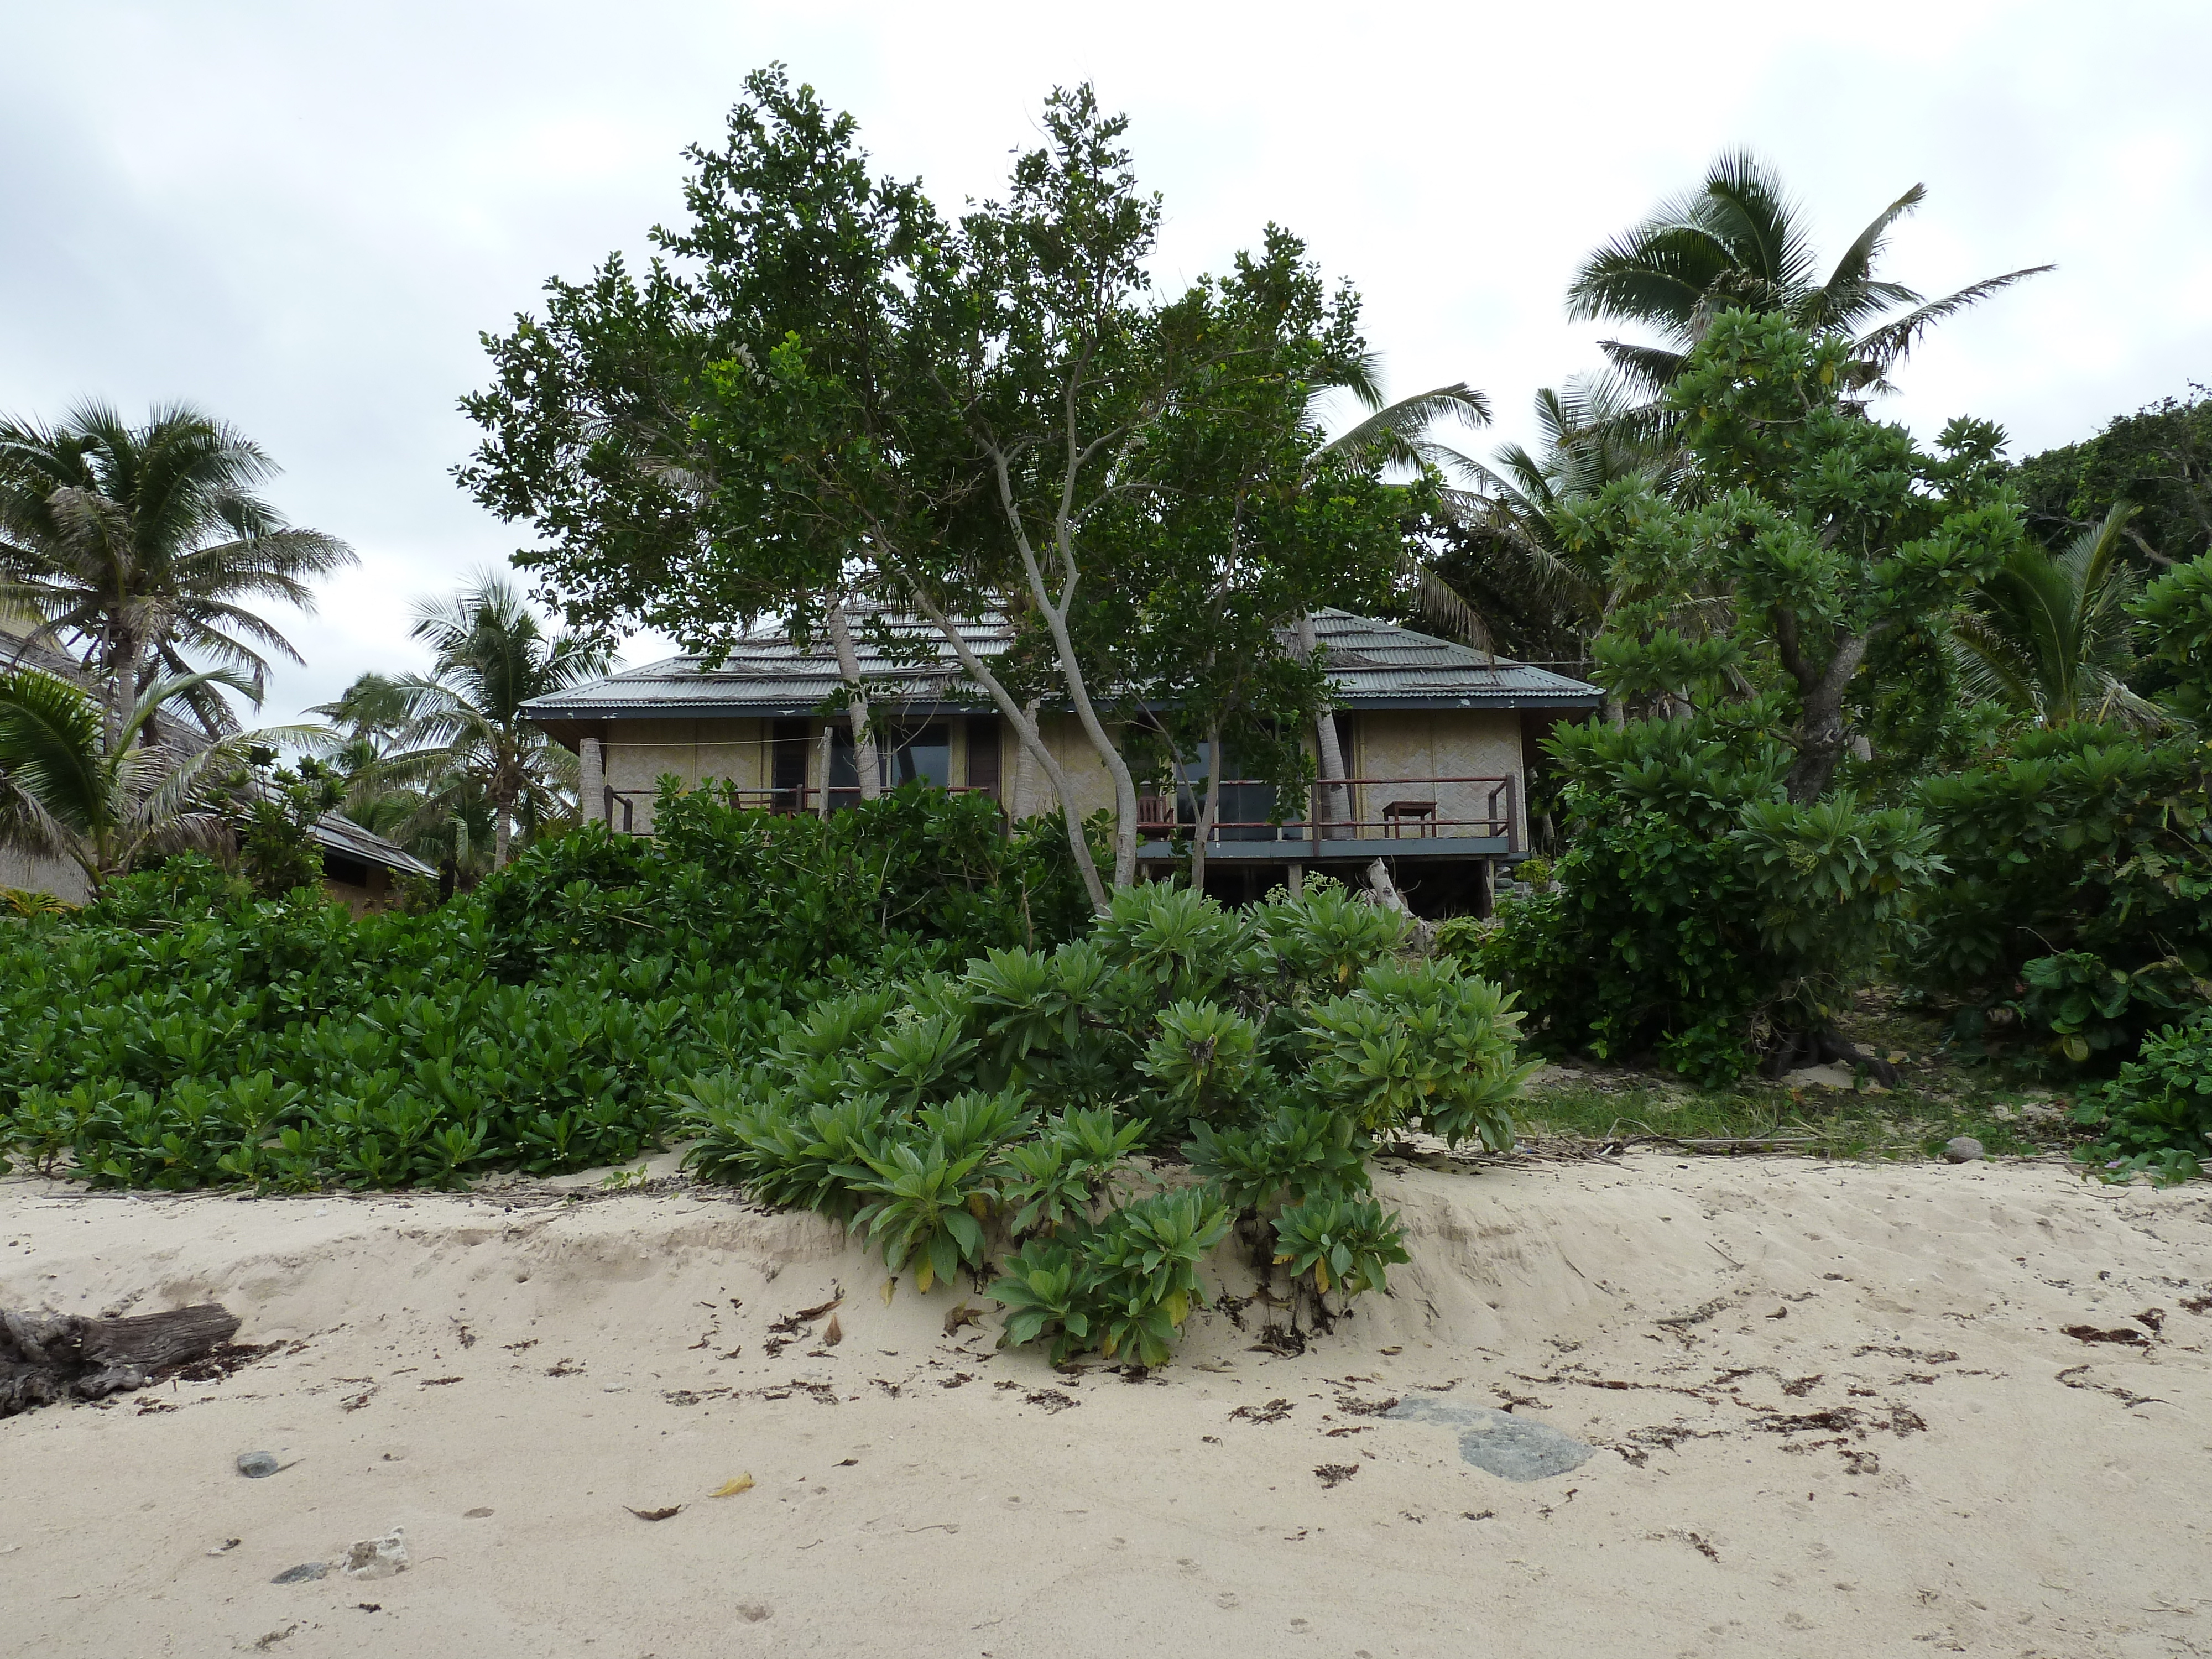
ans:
x=51 y=748
x=1889 y=345
x=1851 y=289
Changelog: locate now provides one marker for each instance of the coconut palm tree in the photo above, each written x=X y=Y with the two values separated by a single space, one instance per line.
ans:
x=1545 y=593
x=2050 y=636
x=445 y=824
x=1402 y=433
x=140 y=549
x=1393 y=434
x=1739 y=241
x=465 y=736
x=72 y=788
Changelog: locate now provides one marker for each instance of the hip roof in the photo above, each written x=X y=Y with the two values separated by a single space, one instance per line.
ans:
x=1371 y=663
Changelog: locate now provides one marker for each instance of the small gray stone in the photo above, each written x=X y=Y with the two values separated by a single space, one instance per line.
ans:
x=306 y=1572
x=255 y=1465
x=1513 y=1447
x=1963 y=1149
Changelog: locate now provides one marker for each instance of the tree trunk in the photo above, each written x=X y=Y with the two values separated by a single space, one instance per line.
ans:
x=1209 y=809
x=1332 y=798
x=45 y=1358
x=590 y=781
x=1070 y=672
x=1026 y=728
x=828 y=748
x=864 y=738
x=1822 y=731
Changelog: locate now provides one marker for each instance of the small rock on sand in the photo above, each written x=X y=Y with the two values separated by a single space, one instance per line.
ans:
x=1963 y=1149
x=256 y=1465
x=1513 y=1447
x=378 y=1558
x=306 y=1572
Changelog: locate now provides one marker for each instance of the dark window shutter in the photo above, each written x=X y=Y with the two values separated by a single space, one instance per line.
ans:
x=983 y=754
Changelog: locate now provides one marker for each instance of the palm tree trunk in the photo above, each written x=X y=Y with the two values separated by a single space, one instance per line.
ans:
x=864 y=738
x=502 y=833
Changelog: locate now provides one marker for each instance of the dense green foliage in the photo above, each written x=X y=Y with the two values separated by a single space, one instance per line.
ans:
x=2079 y=887
x=2158 y=460
x=1276 y=1046
x=179 y=1033
x=1697 y=910
x=2156 y=1114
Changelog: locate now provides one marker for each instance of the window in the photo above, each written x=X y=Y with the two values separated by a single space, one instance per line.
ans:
x=920 y=754
x=1245 y=809
x=350 y=872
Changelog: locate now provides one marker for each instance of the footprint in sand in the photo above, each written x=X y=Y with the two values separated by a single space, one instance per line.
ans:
x=1226 y=1598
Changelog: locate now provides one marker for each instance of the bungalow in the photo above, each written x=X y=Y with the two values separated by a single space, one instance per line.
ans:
x=360 y=869
x=1434 y=736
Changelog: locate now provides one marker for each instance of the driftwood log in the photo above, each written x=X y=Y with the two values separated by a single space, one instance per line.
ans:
x=45 y=1358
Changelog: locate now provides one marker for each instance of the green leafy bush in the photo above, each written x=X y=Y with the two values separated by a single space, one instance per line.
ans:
x=1123 y=1285
x=1697 y=911
x=179 y=1033
x=2156 y=1114
x=2079 y=887
x=998 y=1102
x=1344 y=1243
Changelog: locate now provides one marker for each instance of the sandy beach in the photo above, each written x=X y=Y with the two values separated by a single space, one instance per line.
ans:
x=1829 y=1410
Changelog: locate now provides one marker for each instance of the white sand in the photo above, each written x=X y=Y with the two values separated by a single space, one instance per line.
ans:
x=1023 y=1513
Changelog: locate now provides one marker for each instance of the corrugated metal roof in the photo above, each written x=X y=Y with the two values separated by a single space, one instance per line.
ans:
x=1374 y=664
x=336 y=833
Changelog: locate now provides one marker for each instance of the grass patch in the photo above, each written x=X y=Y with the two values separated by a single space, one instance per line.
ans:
x=2005 y=1107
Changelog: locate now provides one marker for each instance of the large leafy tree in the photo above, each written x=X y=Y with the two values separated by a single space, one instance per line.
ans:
x=463 y=737
x=1825 y=532
x=144 y=549
x=1739 y=242
x=2158 y=460
x=825 y=389
x=105 y=797
x=1720 y=896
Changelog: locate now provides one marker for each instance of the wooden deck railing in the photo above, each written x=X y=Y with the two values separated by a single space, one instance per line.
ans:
x=619 y=807
x=1355 y=809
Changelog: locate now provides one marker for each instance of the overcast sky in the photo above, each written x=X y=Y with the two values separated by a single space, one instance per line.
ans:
x=300 y=215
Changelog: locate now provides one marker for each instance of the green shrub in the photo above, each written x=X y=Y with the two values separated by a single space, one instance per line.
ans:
x=1122 y=1286
x=2156 y=1114
x=1282 y=1040
x=2078 y=888
x=1696 y=911
x=542 y=1023
x=1344 y=1243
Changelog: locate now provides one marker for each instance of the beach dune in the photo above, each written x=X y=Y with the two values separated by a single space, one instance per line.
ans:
x=1807 y=1409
